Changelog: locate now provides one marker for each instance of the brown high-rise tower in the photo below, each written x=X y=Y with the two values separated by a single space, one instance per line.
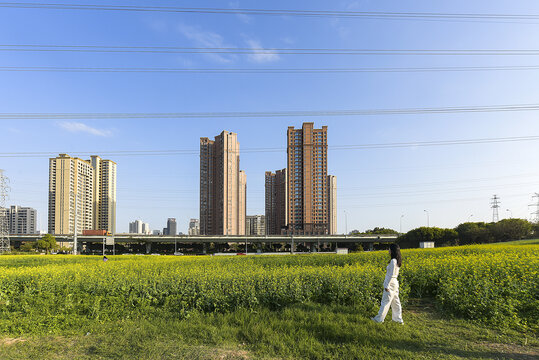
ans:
x=276 y=202
x=308 y=203
x=222 y=186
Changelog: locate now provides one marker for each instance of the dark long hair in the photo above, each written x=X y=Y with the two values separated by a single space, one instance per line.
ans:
x=396 y=253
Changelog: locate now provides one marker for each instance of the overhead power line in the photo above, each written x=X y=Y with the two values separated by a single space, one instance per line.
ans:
x=271 y=114
x=261 y=51
x=267 y=150
x=263 y=70
x=446 y=190
x=278 y=12
x=419 y=201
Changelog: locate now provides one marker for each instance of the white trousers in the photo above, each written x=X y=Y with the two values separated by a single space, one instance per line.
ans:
x=390 y=298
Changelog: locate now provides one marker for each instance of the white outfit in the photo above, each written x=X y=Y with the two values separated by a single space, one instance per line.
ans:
x=391 y=297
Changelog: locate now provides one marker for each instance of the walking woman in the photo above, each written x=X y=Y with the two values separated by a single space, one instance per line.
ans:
x=391 y=288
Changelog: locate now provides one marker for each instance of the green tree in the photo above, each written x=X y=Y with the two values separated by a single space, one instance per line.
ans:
x=474 y=233
x=28 y=247
x=381 y=231
x=447 y=237
x=535 y=229
x=47 y=243
x=441 y=237
x=511 y=229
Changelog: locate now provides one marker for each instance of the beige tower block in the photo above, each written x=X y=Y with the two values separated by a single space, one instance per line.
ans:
x=82 y=195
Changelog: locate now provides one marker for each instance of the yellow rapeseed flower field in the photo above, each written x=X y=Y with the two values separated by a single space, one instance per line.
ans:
x=494 y=284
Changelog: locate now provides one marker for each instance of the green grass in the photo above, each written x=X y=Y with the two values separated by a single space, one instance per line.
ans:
x=303 y=331
x=520 y=242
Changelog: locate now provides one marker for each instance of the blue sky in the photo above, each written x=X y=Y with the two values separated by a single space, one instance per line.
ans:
x=375 y=187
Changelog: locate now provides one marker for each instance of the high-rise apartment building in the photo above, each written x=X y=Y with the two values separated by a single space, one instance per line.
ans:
x=171 y=227
x=104 y=201
x=276 y=202
x=70 y=189
x=308 y=202
x=255 y=225
x=242 y=201
x=194 y=227
x=222 y=186
x=22 y=220
x=146 y=229
x=332 y=204
x=82 y=195
x=135 y=227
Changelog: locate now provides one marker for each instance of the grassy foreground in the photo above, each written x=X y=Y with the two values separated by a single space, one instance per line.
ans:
x=470 y=302
x=302 y=331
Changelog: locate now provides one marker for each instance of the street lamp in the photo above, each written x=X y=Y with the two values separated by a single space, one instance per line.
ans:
x=428 y=220
x=400 y=229
x=510 y=213
x=470 y=217
x=345 y=223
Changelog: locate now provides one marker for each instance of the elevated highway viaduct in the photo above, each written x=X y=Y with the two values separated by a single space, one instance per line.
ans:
x=366 y=241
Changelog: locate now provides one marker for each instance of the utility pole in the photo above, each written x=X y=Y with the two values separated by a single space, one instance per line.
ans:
x=495 y=204
x=428 y=220
x=76 y=220
x=5 y=245
x=535 y=214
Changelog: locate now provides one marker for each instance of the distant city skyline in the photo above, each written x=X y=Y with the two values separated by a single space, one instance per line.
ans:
x=171 y=228
x=139 y=227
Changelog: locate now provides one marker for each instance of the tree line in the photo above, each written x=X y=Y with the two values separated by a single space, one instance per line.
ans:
x=471 y=233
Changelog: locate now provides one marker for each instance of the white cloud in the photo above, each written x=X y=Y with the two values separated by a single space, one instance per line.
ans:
x=208 y=39
x=77 y=127
x=288 y=40
x=353 y=5
x=343 y=31
x=243 y=17
x=261 y=55
x=157 y=25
